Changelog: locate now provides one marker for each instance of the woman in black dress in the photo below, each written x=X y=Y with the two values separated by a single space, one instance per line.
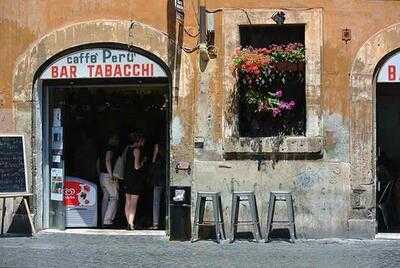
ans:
x=134 y=179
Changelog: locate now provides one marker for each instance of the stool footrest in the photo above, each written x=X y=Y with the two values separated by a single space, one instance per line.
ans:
x=246 y=223
x=238 y=222
x=283 y=222
x=209 y=223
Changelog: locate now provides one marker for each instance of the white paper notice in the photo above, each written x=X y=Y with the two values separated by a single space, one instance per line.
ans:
x=179 y=195
x=56 y=158
x=57 y=184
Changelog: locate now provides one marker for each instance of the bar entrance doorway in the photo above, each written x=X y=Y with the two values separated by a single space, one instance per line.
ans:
x=105 y=136
x=90 y=118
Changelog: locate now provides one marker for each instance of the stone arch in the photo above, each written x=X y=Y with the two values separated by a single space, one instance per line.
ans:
x=26 y=105
x=98 y=31
x=363 y=125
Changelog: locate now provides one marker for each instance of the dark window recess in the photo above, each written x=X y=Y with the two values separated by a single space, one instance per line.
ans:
x=290 y=81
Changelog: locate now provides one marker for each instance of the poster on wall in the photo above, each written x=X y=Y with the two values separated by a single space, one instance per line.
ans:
x=57 y=139
x=57 y=117
x=57 y=184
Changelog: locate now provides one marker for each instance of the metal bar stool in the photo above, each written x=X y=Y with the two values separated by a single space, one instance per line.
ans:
x=218 y=220
x=280 y=196
x=237 y=197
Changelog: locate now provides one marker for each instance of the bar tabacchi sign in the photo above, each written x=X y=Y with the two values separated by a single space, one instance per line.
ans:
x=390 y=71
x=103 y=63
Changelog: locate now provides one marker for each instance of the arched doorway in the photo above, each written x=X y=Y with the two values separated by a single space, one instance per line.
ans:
x=26 y=90
x=89 y=94
x=387 y=144
x=362 y=219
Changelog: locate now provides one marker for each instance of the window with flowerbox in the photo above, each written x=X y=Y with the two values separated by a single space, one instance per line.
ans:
x=269 y=67
x=283 y=113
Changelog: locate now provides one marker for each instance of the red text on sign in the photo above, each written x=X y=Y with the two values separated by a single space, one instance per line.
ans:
x=63 y=71
x=121 y=70
x=391 y=72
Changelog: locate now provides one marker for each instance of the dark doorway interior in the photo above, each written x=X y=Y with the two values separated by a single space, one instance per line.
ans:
x=388 y=156
x=259 y=36
x=91 y=113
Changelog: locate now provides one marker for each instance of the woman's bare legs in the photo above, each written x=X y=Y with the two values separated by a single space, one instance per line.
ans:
x=130 y=208
x=127 y=206
x=134 y=201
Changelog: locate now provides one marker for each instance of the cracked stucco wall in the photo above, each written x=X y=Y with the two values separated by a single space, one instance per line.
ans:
x=25 y=95
x=334 y=195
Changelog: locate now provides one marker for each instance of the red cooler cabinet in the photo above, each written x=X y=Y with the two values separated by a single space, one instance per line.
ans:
x=80 y=200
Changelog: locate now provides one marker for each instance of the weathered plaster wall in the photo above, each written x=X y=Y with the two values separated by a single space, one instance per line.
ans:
x=78 y=23
x=363 y=123
x=334 y=195
x=323 y=189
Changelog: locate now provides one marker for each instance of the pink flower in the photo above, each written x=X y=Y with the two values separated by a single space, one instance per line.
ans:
x=279 y=93
x=286 y=105
x=276 y=112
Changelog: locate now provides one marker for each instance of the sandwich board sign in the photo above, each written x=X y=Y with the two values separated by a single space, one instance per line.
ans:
x=13 y=173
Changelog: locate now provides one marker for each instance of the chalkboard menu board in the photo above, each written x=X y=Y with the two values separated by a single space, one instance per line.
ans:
x=12 y=165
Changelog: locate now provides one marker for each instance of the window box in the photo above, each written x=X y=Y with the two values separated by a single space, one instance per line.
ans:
x=311 y=140
x=270 y=84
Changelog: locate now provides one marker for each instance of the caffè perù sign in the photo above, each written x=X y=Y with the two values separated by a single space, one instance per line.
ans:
x=103 y=63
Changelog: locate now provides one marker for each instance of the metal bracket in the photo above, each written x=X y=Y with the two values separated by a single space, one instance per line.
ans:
x=184 y=166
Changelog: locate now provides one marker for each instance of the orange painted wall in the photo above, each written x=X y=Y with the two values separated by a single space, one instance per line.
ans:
x=23 y=22
x=363 y=17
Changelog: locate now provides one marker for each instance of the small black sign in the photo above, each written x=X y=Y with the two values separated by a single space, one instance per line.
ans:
x=180 y=11
x=12 y=165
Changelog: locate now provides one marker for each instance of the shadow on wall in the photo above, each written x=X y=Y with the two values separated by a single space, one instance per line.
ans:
x=174 y=51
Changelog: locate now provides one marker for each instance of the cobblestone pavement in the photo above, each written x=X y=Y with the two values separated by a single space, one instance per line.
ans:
x=73 y=250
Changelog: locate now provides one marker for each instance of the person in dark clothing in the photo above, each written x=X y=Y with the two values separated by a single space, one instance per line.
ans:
x=84 y=160
x=158 y=180
x=108 y=156
x=134 y=177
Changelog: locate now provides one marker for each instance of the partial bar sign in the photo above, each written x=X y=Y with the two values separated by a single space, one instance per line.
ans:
x=390 y=70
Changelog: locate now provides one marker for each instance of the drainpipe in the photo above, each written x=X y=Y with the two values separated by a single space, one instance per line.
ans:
x=203 y=32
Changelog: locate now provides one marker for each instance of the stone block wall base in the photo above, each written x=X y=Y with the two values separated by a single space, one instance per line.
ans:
x=361 y=228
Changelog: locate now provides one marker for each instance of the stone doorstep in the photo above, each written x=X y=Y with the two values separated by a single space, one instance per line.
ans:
x=387 y=236
x=116 y=232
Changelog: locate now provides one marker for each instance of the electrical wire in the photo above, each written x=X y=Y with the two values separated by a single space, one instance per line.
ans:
x=190 y=50
x=215 y=10
x=247 y=15
x=190 y=34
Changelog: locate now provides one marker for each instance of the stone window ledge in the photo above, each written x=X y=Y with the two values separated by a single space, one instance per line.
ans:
x=267 y=144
